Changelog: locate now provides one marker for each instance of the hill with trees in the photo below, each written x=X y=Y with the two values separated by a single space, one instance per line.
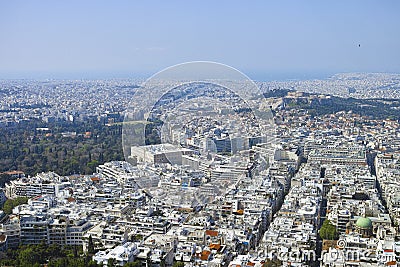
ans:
x=64 y=147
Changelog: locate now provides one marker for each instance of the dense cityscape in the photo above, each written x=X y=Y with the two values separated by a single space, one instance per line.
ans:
x=316 y=184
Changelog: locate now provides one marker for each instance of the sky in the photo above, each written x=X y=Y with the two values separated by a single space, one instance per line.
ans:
x=263 y=39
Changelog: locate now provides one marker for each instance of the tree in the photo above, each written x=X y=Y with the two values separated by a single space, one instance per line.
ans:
x=90 y=246
x=328 y=231
x=93 y=263
x=75 y=251
x=136 y=238
x=111 y=262
x=23 y=148
x=136 y=263
x=40 y=254
x=4 y=178
x=29 y=257
x=10 y=204
x=178 y=264
x=272 y=263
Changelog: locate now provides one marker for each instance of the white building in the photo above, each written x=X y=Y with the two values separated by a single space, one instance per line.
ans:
x=121 y=254
x=162 y=153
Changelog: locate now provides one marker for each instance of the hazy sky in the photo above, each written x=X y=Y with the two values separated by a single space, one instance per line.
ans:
x=261 y=38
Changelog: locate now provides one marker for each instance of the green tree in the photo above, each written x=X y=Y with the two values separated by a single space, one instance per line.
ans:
x=90 y=246
x=8 y=206
x=4 y=178
x=136 y=263
x=93 y=263
x=12 y=203
x=137 y=237
x=111 y=262
x=328 y=231
x=28 y=257
x=178 y=264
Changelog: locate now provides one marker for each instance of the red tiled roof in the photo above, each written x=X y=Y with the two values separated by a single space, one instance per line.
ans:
x=215 y=246
x=240 y=212
x=205 y=254
x=211 y=233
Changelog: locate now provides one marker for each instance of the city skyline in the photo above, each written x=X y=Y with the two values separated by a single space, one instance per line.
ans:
x=193 y=134
x=267 y=41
